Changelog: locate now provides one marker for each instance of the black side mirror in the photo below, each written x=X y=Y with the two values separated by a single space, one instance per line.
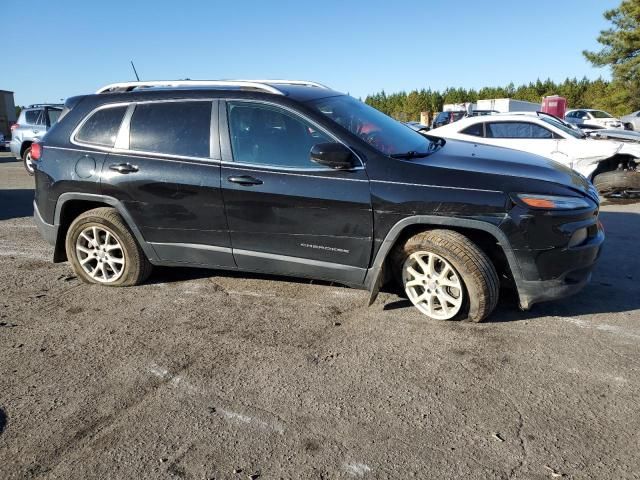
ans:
x=332 y=155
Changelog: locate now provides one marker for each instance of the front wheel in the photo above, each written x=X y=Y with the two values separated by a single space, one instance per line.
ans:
x=446 y=276
x=102 y=249
x=28 y=161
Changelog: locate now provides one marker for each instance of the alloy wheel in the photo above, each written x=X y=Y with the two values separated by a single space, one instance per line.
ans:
x=100 y=254
x=432 y=285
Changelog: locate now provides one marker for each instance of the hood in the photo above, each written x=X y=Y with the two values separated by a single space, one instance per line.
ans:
x=474 y=157
x=623 y=135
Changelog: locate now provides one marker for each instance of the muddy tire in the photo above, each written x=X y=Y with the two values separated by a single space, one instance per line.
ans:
x=27 y=162
x=102 y=250
x=446 y=276
x=617 y=181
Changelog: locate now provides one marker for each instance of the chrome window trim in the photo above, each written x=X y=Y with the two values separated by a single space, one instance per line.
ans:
x=297 y=114
x=75 y=131
x=298 y=173
x=122 y=139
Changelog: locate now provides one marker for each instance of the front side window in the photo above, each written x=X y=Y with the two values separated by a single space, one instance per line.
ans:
x=172 y=128
x=516 y=130
x=265 y=135
x=102 y=127
x=374 y=127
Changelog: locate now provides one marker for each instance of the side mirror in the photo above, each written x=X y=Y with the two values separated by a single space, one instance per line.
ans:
x=332 y=155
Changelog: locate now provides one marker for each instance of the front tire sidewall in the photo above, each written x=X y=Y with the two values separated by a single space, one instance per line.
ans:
x=124 y=239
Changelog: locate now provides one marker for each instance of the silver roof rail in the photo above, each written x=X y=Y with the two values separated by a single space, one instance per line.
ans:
x=264 y=85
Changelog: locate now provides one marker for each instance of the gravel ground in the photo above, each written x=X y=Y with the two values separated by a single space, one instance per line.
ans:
x=203 y=374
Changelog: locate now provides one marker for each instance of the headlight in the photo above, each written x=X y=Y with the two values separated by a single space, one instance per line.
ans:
x=552 y=202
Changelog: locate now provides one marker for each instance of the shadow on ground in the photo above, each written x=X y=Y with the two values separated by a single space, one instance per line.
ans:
x=16 y=203
x=3 y=420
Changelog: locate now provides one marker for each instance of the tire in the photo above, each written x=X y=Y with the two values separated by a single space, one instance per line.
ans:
x=116 y=260
x=26 y=161
x=478 y=284
x=617 y=181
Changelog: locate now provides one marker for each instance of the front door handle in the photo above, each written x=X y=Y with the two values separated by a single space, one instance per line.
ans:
x=245 y=180
x=123 y=168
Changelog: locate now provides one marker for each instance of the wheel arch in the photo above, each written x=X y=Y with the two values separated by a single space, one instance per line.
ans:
x=487 y=236
x=24 y=146
x=70 y=205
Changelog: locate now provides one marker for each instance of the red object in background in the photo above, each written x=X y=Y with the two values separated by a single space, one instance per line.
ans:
x=36 y=151
x=555 y=105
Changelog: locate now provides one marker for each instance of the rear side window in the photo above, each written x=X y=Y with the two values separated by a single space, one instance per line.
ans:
x=172 y=128
x=102 y=127
x=516 y=130
x=34 y=117
x=475 y=130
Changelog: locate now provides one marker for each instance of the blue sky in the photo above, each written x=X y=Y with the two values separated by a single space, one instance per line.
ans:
x=358 y=47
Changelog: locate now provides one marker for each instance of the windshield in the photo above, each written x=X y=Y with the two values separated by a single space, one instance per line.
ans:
x=556 y=123
x=374 y=127
x=599 y=114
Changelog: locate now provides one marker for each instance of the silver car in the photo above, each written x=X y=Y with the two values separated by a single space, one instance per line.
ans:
x=33 y=123
x=632 y=121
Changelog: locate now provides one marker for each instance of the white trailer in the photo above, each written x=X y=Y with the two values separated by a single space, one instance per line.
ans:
x=504 y=105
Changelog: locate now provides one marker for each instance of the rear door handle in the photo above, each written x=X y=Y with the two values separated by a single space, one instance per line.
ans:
x=123 y=168
x=245 y=180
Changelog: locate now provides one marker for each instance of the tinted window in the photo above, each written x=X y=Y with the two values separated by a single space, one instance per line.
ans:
x=475 y=130
x=442 y=117
x=34 y=117
x=270 y=136
x=516 y=130
x=102 y=127
x=173 y=128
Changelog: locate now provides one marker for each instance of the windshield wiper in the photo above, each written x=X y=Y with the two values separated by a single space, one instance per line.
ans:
x=411 y=154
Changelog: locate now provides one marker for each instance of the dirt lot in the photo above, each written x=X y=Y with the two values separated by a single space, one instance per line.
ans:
x=204 y=374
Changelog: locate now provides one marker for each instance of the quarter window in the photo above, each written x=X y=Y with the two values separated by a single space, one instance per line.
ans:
x=102 y=127
x=172 y=128
x=475 y=130
x=516 y=130
x=266 y=135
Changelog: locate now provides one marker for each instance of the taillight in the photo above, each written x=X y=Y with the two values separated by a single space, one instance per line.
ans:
x=14 y=126
x=36 y=151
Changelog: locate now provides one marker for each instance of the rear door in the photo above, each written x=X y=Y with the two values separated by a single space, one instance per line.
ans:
x=165 y=170
x=287 y=214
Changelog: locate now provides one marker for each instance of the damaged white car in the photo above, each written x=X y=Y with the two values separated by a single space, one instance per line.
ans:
x=610 y=159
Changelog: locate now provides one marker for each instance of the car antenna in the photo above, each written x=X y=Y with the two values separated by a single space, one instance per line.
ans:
x=135 y=71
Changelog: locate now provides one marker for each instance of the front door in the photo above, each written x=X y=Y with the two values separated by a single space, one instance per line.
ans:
x=287 y=214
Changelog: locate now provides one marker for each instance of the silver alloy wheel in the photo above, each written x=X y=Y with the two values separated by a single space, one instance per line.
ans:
x=28 y=162
x=432 y=285
x=100 y=254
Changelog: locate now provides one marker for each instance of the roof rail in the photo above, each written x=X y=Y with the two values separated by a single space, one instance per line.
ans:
x=264 y=85
x=36 y=105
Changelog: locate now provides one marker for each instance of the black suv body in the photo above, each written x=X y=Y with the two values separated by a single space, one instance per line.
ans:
x=304 y=181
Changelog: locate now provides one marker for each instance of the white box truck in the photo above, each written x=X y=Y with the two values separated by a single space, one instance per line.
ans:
x=504 y=105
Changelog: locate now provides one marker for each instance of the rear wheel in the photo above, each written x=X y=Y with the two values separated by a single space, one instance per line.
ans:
x=102 y=249
x=27 y=161
x=446 y=276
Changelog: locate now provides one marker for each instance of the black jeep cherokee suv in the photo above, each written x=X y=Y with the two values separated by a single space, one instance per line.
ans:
x=293 y=178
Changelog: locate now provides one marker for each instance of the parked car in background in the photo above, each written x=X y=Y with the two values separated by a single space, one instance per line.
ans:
x=631 y=121
x=612 y=165
x=33 y=123
x=418 y=127
x=598 y=118
x=281 y=177
x=445 y=118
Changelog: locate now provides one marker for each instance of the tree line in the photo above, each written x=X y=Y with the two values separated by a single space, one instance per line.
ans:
x=582 y=93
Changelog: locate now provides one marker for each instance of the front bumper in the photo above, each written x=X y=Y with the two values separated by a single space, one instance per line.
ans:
x=49 y=232
x=575 y=264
